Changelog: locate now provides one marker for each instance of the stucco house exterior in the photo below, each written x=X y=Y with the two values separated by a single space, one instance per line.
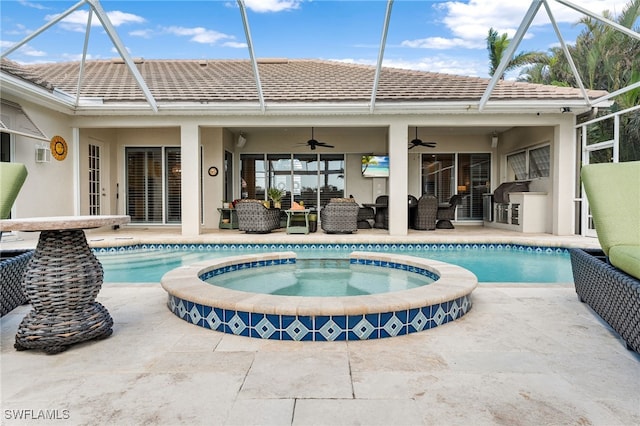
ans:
x=214 y=135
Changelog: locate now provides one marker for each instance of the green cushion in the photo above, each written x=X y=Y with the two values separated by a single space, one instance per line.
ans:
x=626 y=258
x=12 y=176
x=613 y=191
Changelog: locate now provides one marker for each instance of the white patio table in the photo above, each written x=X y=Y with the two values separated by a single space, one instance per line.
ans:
x=61 y=281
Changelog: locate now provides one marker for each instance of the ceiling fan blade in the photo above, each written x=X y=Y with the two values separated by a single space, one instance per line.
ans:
x=326 y=145
x=418 y=142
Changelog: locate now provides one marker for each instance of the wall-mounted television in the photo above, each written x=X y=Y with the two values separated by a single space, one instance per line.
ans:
x=375 y=166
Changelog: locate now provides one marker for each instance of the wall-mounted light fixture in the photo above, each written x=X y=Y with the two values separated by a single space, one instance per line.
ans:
x=242 y=139
x=43 y=154
x=494 y=140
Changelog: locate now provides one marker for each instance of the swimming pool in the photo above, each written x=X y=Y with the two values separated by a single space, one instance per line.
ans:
x=489 y=262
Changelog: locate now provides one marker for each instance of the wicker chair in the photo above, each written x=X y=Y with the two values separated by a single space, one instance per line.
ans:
x=12 y=177
x=608 y=280
x=340 y=215
x=426 y=212
x=254 y=217
x=12 y=262
x=447 y=214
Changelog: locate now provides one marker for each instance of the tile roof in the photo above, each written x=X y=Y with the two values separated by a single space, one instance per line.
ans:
x=294 y=80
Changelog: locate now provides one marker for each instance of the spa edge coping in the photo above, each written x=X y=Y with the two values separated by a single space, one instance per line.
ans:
x=184 y=282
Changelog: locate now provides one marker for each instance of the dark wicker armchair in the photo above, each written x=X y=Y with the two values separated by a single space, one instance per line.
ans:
x=340 y=215
x=254 y=217
x=426 y=212
x=447 y=214
x=608 y=280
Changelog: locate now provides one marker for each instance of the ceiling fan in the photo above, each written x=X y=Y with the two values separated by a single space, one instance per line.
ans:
x=314 y=143
x=418 y=142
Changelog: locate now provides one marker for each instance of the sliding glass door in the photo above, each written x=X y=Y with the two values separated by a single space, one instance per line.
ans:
x=310 y=178
x=444 y=175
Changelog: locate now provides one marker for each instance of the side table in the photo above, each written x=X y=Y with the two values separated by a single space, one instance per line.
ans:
x=298 y=229
x=228 y=218
x=61 y=281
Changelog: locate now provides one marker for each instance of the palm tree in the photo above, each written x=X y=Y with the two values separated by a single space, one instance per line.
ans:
x=497 y=45
x=606 y=59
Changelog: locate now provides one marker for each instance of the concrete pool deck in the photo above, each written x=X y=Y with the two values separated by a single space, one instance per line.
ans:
x=524 y=355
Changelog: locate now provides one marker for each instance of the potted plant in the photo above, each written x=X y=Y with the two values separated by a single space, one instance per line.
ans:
x=275 y=195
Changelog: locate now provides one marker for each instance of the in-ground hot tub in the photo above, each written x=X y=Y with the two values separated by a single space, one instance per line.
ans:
x=329 y=318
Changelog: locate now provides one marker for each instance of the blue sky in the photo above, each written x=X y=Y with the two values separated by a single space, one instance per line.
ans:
x=439 y=36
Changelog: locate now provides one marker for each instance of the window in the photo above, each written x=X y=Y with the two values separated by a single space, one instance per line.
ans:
x=517 y=165
x=531 y=163
x=94 y=179
x=539 y=162
x=311 y=178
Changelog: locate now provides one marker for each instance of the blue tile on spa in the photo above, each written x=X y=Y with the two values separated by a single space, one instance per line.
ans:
x=276 y=320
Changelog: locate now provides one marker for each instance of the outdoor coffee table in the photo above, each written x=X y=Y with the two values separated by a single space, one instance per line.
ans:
x=61 y=281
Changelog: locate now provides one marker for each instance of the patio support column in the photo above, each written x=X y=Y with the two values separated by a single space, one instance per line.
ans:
x=398 y=179
x=564 y=159
x=190 y=182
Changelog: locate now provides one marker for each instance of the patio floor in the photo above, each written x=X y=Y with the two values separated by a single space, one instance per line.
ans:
x=524 y=355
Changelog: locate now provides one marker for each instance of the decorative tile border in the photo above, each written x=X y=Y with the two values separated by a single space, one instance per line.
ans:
x=319 y=318
x=377 y=247
x=322 y=327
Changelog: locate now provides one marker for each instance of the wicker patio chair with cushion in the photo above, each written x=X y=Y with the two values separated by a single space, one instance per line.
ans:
x=254 y=217
x=12 y=262
x=447 y=214
x=426 y=213
x=340 y=215
x=12 y=177
x=608 y=280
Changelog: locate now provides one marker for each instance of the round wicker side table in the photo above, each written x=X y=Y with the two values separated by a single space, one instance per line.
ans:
x=62 y=281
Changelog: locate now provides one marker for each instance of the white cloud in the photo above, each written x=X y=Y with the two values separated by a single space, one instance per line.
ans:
x=77 y=21
x=33 y=5
x=470 y=21
x=198 y=34
x=25 y=49
x=116 y=53
x=235 y=44
x=438 y=64
x=441 y=43
x=141 y=33
x=20 y=30
x=77 y=57
x=263 y=6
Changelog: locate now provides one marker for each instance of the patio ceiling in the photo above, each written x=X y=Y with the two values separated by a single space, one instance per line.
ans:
x=96 y=8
